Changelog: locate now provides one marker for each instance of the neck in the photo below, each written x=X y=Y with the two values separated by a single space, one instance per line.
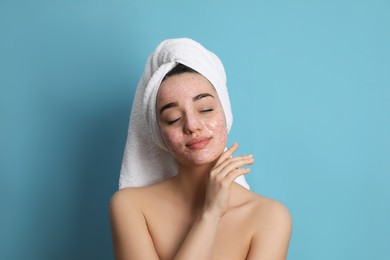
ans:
x=191 y=184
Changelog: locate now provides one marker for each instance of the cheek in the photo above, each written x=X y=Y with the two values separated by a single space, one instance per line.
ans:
x=170 y=138
x=218 y=126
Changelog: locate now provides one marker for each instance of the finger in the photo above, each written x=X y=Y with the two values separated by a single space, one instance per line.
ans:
x=236 y=173
x=233 y=163
x=227 y=180
x=227 y=154
x=218 y=169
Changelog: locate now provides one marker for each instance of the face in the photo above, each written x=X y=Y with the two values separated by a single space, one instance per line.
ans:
x=191 y=119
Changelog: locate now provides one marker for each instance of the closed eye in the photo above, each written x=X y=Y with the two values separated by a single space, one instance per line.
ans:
x=206 y=110
x=173 y=121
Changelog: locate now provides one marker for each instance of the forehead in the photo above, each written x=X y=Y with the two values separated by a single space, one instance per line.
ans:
x=185 y=85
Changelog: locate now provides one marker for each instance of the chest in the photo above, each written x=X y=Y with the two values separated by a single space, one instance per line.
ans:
x=169 y=228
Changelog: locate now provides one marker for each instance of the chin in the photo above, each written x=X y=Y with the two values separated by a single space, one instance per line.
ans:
x=199 y=158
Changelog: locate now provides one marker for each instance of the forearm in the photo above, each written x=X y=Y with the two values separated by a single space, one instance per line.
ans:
x=199 y=242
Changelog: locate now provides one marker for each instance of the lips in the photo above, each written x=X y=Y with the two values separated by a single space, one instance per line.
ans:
x=199 y=143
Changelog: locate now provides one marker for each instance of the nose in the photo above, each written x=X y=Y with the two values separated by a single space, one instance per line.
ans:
x=192 y=123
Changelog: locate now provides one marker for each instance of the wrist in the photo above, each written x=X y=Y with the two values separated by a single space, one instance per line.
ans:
x=211 y=215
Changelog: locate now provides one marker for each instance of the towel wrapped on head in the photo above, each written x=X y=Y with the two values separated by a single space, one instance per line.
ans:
x=146 y=159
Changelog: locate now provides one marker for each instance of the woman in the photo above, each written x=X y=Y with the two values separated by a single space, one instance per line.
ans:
x=194 y=210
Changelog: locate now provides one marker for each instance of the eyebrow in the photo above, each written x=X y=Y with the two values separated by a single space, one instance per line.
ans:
x=169 y=105
x=202 y=95
x=175 y=104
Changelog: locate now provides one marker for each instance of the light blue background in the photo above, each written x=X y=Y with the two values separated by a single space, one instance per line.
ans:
x=310 y=88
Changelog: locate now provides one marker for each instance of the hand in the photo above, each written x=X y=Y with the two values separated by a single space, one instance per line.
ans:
x=222 y=175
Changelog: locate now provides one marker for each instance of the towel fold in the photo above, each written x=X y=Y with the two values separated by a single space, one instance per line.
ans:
x=146 y=159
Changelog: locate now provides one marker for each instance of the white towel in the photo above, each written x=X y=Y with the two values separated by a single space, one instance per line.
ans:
x=146 y=159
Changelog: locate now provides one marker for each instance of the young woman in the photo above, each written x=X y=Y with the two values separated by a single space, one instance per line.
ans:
x=199 y=212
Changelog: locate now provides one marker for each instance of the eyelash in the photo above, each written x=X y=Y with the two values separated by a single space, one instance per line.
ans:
x=172 y=122
x=202 y=111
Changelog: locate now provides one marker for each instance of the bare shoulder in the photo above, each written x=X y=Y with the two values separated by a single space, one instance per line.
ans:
x=125 y=198
x=131 y=239
x=271 y=214
x=272 y=225
x=125 y=208
x=138 y=199
x=263 y=207
x=134 y=197
x=271 y=211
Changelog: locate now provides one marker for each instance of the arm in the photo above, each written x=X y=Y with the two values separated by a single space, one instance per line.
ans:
x=272 y=238
x=199 y=242
x=130 y=236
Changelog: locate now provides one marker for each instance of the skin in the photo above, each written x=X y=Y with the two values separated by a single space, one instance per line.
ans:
x=201 y=213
